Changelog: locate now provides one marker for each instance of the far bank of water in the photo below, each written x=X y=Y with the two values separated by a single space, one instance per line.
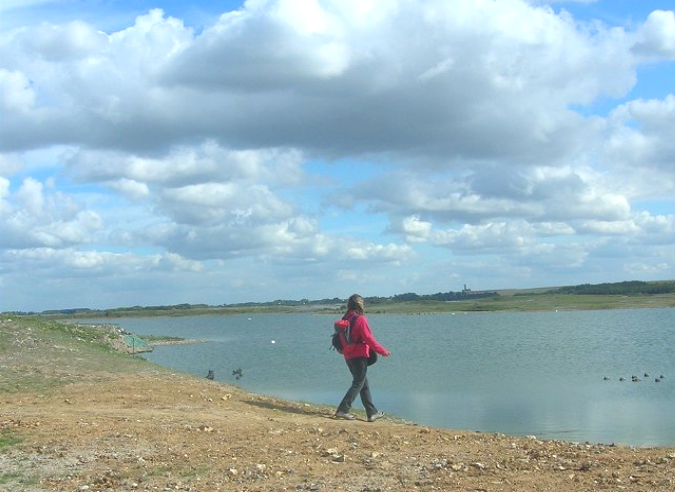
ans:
x=537 y=374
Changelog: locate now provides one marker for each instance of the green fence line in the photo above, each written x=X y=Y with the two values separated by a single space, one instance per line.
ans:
x=137 y=344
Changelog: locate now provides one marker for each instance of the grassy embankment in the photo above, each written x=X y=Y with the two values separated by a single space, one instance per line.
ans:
x=38 y=354
x=531 y=301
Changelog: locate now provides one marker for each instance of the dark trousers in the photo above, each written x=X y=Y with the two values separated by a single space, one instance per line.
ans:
x=358 y=368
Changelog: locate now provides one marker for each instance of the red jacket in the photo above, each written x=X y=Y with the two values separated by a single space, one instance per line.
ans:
x=362 y=338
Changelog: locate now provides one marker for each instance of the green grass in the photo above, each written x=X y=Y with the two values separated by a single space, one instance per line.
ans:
x=192 y=473
x=11 y=478
x=38 y=353
x=159 y=339
x=8 y=439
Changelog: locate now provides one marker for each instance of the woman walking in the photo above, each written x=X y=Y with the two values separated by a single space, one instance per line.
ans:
x=356 y=350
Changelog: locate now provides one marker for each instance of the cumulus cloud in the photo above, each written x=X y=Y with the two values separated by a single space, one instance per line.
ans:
x=301 y=140
x=130 y=188
x=657 y=36
x=223 y=203
x=505 y=69
x=71 y=42
x=640 y=151
x=534 y=194
x=16 y=94
x=187 y=164
x=32 y=217
x=493 y=237
x=414 y=229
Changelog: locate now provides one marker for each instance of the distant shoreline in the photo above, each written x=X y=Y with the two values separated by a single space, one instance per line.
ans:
x=184 y=341
x=506 y=303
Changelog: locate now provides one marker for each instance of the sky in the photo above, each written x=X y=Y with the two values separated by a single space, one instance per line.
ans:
x=159 y=152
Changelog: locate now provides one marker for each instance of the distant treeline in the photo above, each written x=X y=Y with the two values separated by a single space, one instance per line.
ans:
x=620 y=288
x=174 y=307
x=335 y=302
x=439 y=297
x=289 y=302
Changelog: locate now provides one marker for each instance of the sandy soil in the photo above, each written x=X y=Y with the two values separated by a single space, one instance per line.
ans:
x=166 y=432
x=158 y=431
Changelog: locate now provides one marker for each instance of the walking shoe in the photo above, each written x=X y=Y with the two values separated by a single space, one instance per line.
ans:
x=344 y=416
x=375 y=416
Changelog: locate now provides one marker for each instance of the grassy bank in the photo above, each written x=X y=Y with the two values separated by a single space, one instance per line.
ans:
x=38 y=354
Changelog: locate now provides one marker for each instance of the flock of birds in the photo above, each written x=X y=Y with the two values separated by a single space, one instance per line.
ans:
x=237 y=373
x=635 y=379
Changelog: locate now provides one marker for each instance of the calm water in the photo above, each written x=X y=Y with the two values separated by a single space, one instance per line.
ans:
x=516 y=373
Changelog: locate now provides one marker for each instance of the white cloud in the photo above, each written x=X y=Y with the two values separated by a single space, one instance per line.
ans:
x=415 y=230
x=33 y=218
x=71 y=42
x=504 y=69
x=223 y=203
x=487 y=238
x=657 y=229
x=16 y=93
x=184 y=165
x=658 y=35
x=535 y=194
x=93 y=278
x=641 y=144
x=130 y=188
x=377 y=252
x=292 y=141
x=607 y=228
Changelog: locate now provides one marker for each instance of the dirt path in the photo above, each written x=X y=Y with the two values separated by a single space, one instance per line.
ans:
x=161 y=432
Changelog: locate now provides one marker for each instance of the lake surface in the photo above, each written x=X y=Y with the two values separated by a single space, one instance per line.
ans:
x=516 y=373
